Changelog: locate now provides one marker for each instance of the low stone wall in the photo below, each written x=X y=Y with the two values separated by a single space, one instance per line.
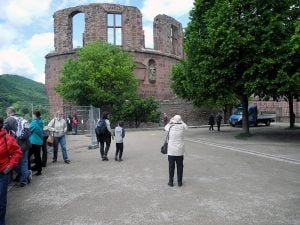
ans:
x=190 y=114
x=281 y=109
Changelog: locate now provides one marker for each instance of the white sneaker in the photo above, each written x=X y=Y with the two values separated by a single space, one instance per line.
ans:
x=29 y=176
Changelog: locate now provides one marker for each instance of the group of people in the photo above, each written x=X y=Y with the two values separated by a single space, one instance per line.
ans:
x=19 y=141
x=211 y=121
x=176 y=128
x=16 y=151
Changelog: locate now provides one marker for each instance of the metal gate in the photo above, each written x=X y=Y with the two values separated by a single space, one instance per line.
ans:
x=87 y=117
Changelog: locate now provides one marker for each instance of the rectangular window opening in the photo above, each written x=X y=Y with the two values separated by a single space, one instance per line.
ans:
x=114 y=29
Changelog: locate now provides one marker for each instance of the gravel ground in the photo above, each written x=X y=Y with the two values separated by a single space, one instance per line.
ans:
x=226 y=181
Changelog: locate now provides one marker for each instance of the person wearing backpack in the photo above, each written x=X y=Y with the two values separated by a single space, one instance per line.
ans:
x=36 y=140
x=59 y=126
x=104 y=134
x=10 y=155
x=18 y=127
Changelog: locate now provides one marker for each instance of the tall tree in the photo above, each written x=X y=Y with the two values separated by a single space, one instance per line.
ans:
x=102 y=74
x=231 y=50
x=287 y=81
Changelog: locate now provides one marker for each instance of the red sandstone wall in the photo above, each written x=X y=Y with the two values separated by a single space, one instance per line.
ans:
x=95 y=25
x=160 y=88
x=160 y=61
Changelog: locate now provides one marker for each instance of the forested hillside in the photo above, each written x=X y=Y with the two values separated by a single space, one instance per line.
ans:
x=22 y=93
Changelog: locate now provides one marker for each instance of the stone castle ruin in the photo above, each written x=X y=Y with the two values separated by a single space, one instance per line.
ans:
x=122 y=26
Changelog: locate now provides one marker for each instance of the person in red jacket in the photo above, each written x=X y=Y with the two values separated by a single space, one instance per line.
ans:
x=10 y=155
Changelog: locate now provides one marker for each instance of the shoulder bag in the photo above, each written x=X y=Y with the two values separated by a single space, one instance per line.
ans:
x=164 y=148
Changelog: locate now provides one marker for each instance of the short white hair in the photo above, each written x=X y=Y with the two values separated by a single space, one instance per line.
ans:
x=177 y=119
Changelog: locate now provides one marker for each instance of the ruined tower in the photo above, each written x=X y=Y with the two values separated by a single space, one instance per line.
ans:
x=121 y=26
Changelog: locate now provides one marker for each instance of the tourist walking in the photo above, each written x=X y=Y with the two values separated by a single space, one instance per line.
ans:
x=211 y=122
x=10 y=155
x=219 y=120
x=75 y=124
x=59 y=126
x=119 y=136
x=104 y=134
x=176 y=128
x=165 y=119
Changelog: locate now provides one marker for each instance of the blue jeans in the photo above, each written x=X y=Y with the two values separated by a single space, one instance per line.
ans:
x=62 y=141
x=23 y=168
x=3 y=196
x=75 y=129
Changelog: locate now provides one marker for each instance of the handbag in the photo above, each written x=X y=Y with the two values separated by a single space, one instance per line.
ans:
x=164 y=148
x=50 y=140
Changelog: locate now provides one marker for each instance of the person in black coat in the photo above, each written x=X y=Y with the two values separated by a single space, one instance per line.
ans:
x=211 y=122
x=219 y=120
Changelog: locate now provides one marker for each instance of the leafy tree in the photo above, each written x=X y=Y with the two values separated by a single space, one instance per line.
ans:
x=137 y=111
x=182 y=87
x=231 y=49
x=287 y=82
x=102 y=74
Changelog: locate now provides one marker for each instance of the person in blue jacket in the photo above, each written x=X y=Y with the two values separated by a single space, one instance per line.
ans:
x=36 y=140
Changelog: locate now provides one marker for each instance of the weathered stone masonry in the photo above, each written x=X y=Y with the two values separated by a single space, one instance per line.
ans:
x=152 y=65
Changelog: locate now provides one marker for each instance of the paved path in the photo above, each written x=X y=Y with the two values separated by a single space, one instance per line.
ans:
x=227 y=181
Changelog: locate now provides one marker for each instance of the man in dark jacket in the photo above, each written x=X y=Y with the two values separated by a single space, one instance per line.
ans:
x=211 y=122
x=105 y=137
x=219 y=120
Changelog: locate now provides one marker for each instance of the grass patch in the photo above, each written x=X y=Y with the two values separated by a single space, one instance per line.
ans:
x=244 y=136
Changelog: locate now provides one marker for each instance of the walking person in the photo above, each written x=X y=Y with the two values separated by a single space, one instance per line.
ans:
x=104 y=134
x=10 y=155
x=19 y=128
x=219 y=120
x=211 y=122
x=59 y=126
x=36 y=140
x=165 y=119
x=176 y=128
x=69 y=123
x=119 y=135
x=75 y=123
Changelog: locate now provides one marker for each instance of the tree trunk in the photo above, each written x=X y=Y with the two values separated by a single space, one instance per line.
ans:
x=225 y=115
x=244 y=101
x=291 y=111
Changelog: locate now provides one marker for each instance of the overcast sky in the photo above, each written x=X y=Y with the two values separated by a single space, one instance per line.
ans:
x=27 y=29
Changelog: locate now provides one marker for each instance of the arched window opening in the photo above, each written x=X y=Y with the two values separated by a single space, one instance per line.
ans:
x=78 y=28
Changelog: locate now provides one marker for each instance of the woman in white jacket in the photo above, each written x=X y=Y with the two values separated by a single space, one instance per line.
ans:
x=176 y=148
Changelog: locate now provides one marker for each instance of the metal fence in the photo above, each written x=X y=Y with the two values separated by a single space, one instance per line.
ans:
x=87 y=117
